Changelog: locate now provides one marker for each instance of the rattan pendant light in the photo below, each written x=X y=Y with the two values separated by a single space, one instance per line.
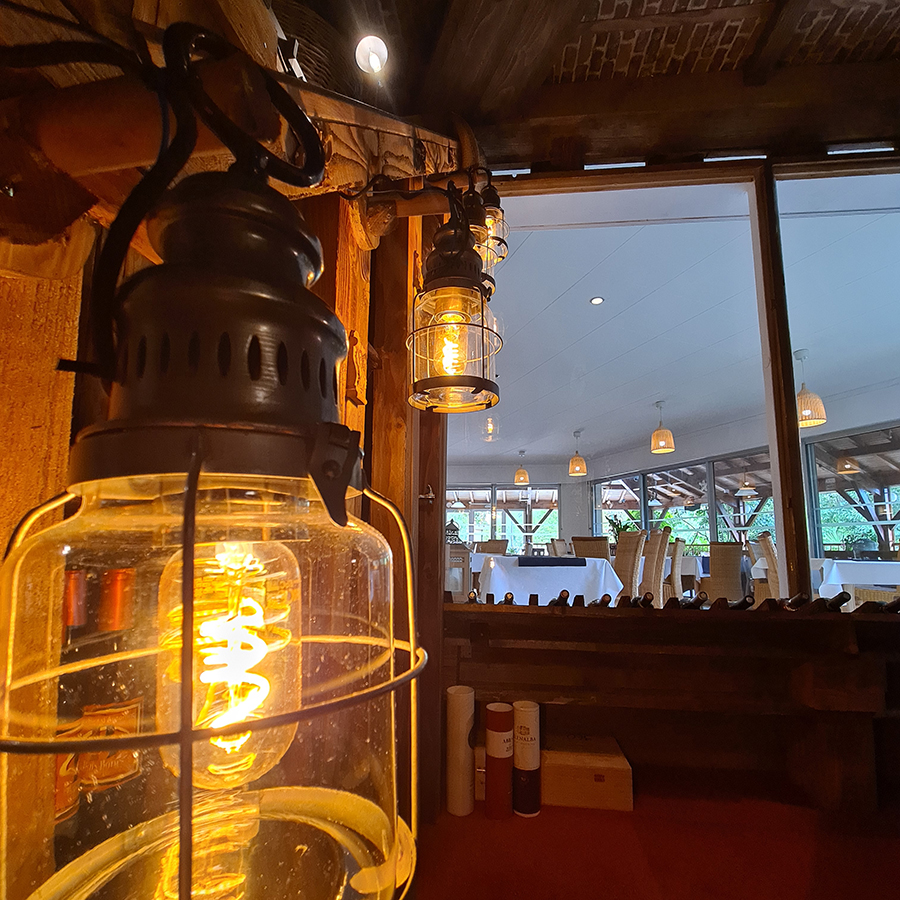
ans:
x=577 y=465
x=521 y=473
x=662 y=440
x=810 y=408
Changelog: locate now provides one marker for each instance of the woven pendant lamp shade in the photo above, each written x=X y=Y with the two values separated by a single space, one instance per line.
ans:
x=521 y=476
x=662 y=441
x=577 y=465
x=810 y=408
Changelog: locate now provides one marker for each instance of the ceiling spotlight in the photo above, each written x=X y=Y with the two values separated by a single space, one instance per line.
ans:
x=596 y=301
x=371 y=54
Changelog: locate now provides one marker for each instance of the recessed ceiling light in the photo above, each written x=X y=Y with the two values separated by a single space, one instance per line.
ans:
x=596 y=301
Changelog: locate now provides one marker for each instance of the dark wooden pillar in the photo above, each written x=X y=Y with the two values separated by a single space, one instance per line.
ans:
x=778 y=375
x=392 y=441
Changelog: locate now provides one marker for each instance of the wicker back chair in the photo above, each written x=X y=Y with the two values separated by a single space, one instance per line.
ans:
x=591 y=547
x=457 y=571
x=558 y=547
x=768 y=548
x=628 y=559
x=654 y=562
x=724 y=571
x=672 y=586
x=497 y=547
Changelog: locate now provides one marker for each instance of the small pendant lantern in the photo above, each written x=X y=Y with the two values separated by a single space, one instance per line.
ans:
x=662 y=440
x=577 y=465
x=521 y=476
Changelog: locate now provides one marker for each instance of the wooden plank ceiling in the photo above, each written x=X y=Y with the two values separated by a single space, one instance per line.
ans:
x=555 y=84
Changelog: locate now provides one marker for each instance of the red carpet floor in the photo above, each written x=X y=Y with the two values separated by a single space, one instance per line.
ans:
x=678 y=844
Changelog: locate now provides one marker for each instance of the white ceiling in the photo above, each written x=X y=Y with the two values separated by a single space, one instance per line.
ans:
x=679 y=322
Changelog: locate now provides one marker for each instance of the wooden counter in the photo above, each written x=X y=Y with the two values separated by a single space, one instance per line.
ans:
x=786 y=693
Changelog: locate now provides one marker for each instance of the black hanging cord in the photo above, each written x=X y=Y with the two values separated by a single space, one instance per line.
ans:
x=179 y=88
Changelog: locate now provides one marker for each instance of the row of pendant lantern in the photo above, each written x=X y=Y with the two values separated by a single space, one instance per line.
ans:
x=810 y=413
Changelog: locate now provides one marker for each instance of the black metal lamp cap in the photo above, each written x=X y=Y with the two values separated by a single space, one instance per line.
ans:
x=454 y=261
x=226 y=338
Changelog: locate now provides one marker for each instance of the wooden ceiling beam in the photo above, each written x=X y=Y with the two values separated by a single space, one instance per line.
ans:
x=776 y=36
x=683 y=117
x=493 y=54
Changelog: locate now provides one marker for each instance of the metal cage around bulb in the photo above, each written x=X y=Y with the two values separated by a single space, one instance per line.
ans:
x=200 y=663
x=454 y=337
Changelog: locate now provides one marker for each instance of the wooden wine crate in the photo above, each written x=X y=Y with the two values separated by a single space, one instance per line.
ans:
x=600 y=779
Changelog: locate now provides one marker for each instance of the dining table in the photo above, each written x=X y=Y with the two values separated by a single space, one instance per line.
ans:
x=831 y=576
x=546 y=576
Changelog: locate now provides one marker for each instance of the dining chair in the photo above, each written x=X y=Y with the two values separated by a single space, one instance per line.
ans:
x=628 y=559
x=496 y=546
x=457 y=571
x=724 y=571
x=591 y=547
x=558 y=547
x=672 y=585
x=654 y=562
x=768 y=547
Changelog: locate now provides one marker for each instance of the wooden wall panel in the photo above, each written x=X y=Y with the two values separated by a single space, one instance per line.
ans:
x=38 y=325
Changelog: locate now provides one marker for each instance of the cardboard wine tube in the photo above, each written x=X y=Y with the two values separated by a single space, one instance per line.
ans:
x=498 y=764
x=460 y=755
x=527 y=758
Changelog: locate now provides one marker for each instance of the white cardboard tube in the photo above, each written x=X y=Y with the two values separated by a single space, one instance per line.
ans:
x=460 y=755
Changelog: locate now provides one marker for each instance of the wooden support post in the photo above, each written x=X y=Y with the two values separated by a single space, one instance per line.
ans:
x=430 y=581
x=391 y=439
x=778 y=376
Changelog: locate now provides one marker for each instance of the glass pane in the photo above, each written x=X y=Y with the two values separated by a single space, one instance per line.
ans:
x=528 y=516
x=744 y=505
x=617 y=506
x=858 y=498
x=677 y=498
x=469 y=516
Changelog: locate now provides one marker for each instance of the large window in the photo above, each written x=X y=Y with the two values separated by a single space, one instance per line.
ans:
x=617 y=505
x=522 y=516
x=856 y=505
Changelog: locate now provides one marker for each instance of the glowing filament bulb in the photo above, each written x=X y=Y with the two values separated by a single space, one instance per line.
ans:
x=452 y=360
x=246 y=663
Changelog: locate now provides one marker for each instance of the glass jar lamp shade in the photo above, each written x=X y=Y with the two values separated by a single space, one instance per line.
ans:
x=810 y=408
x=199 y=663
x=495 y=220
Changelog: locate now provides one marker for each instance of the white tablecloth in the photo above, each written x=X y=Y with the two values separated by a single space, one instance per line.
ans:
x=503 y=573
x=836 y=573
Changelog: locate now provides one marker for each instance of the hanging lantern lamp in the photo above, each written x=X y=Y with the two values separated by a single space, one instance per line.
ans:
x=521 y=476
x=810 y=408
x=662 y=440
x=495 y=219
x=454 y=339
x=577 y=465
x=200 y=663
